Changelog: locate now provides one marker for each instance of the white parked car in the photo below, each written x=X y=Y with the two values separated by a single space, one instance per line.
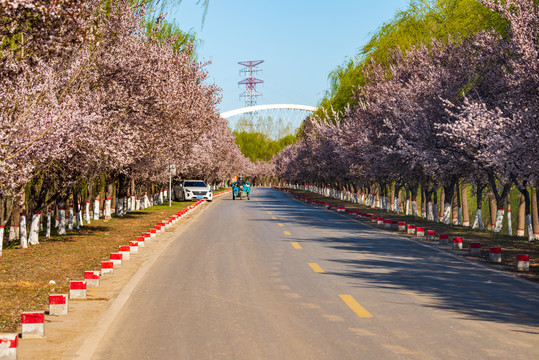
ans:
x=195 y=190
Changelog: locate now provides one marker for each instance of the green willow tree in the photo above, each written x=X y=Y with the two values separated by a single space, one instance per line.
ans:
x=421 y=22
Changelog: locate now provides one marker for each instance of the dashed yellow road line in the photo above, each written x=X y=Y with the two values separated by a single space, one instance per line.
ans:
x=296 y=245
x=287 y=232
x=274 y=218
x=280 y=224
x=354 y=305
x=316 y=268
x=269 y=212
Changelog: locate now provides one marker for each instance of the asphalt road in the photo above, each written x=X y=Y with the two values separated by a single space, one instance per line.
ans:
x=274 y=278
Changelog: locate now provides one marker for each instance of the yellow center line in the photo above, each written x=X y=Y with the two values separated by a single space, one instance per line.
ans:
x=269 y=212
x=274 y=218
x=280 y=224
x=316 y=268
x=287 y=232
x=354 y=305
x=296 y=245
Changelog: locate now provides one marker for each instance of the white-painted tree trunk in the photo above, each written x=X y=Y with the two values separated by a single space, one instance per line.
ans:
x=23 y=236
x=49 y=224
x=13 y=233
x=529 y=226
x=33 y=239
x=407 y=212
x=397 y=208
x=498 y=225
x=430 y=211
x=130 y=204
x=1 y=239
x=160 y=200
x=137 y=204
x=133 y=203
x=414 y=208
x=70 y=219
x=119 y=207
x=509 y=223
x=107 y=208
x=478 y=221
x=96 y=209
x=61 y=222
x=87 y=211
x=447 y=213
x=78 y=216
x=435 y=213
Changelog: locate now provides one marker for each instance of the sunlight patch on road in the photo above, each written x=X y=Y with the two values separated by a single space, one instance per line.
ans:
x=316 y=268
x=354 y=305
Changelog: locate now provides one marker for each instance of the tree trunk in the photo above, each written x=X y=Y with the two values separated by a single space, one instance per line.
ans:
x=492 y=208
x=435 y=215
x=108 y=201
x=442 y=204
x=523 y=188
x=5 y=212
x=448 y=191
x=509 y=220
x=62 y=203
x=413 y=190
x=464 y=200
x=455 y=206
x=521 y=216
x=22 y=222
x=535 y=215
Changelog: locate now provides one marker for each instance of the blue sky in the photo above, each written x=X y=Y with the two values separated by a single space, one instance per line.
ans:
x=301 y=42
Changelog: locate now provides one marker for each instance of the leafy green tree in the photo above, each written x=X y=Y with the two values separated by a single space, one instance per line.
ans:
x=421 y=22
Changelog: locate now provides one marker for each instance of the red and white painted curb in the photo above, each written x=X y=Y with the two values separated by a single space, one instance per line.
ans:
x=92 y=278
x=411 y=229
x=107 y=267
x=116 y=259
x=58 y=304
x=133 y=246
x=125 y=250
x=77 y=289
x=402 y=226
x=33 y=324
x=8 y=346
x=443 y=239
x=495 y=254
x=475 y=249
x=420 y=231
x=457 y=243
x=523 y=262
x=431 y=235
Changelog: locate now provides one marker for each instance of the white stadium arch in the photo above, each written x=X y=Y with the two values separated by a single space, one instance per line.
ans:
x=250 y=109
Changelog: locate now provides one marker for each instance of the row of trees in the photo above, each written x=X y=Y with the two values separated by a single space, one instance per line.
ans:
x=463 y=108
x=96 y=98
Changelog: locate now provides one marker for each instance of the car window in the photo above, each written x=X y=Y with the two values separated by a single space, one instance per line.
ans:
x=194 y=184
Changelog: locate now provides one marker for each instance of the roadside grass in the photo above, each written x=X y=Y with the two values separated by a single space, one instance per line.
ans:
x=510 y=245
x=25 y=273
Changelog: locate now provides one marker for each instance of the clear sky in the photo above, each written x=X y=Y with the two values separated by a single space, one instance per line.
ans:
x=301 y=42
